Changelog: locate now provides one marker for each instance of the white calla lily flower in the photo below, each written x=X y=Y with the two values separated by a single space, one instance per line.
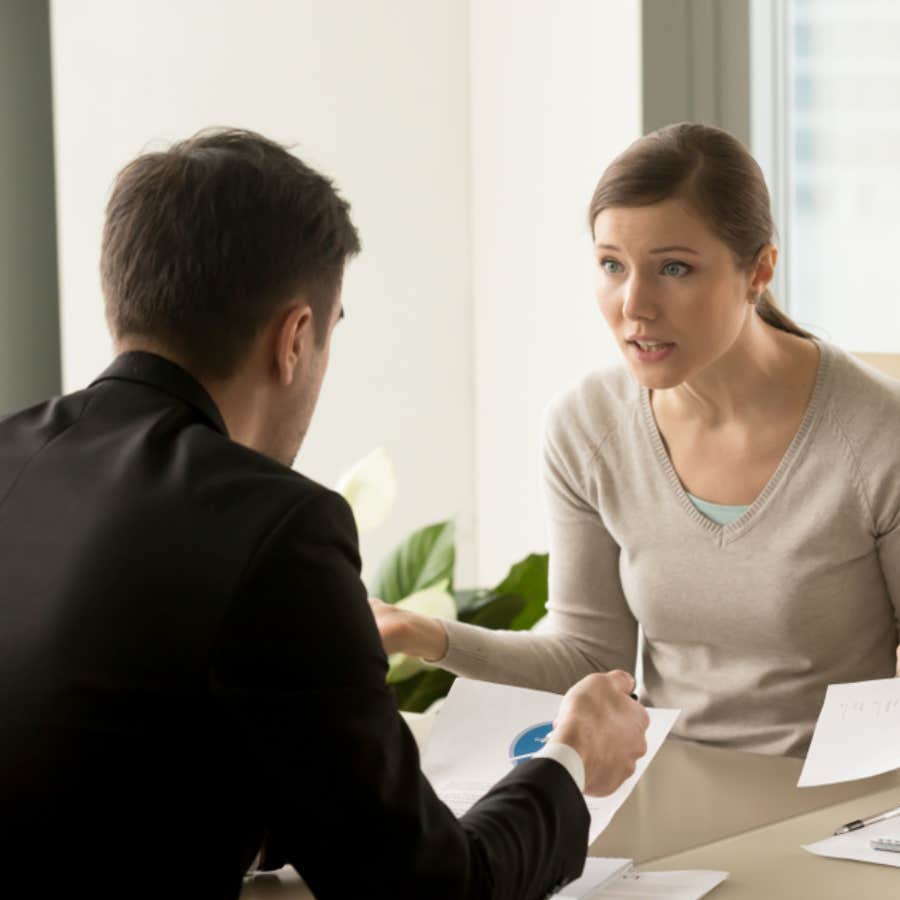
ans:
x=434 y=601
x=370 y=487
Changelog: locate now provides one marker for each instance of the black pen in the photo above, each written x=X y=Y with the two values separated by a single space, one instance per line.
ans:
x=856 y=824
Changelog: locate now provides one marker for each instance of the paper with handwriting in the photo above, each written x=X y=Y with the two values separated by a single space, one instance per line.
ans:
x=857 y=734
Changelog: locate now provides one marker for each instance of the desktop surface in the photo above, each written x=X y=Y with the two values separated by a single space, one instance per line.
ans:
x=700 y=807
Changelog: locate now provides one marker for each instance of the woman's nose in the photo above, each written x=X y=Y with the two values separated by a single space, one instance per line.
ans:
x=638 y=302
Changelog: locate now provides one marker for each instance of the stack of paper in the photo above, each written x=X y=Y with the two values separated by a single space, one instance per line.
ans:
x=612 y=879
x=599 y=871
x=855 y=844
x=483 y=730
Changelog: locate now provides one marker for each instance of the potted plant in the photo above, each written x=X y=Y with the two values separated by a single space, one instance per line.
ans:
x=419 y=575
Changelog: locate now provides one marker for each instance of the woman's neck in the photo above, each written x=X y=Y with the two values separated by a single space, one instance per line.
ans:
x=764 y=370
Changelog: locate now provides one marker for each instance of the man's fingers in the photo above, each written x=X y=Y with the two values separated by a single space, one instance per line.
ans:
x=622 y=681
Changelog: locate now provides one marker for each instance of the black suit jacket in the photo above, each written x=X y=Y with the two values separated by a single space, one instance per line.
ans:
x=188 y=662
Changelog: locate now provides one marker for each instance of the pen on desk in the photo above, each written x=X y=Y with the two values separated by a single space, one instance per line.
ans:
x=856 y=824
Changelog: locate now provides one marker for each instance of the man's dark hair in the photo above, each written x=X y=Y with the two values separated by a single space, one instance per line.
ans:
x=204 y=242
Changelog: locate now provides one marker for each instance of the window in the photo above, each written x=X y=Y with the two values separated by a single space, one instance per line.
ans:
x=826 y=126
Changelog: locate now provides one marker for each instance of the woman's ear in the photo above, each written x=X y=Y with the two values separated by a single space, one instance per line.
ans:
x=763 y=270
x=293 y=338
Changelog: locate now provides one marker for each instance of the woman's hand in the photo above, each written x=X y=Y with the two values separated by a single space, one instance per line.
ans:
x=405 y=631
x=393 y=626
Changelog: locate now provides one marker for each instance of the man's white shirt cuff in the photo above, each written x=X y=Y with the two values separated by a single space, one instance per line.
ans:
x=567 y=757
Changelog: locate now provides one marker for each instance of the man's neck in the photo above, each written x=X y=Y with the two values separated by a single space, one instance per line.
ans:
x=239 y=402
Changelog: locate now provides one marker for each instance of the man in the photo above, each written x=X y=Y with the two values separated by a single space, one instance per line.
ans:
x=173 y=594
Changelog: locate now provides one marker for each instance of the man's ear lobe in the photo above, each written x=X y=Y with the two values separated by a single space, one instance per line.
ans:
x=294 y=337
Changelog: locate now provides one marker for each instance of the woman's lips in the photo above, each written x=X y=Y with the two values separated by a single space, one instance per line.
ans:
x=650 y=351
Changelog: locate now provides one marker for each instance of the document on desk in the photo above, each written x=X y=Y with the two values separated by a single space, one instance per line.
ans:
x=691 y=884
x=615 y=879
x=483 y=730
x=599 y=871
x=857 y=734
x=855 y=844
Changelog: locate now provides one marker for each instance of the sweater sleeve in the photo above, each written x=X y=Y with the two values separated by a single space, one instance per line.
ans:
x=887 y=543
x=871 y=429
x=588 y=626
x=889 y=555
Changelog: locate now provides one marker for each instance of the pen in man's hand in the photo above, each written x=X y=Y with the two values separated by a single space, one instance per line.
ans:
x=856 y=824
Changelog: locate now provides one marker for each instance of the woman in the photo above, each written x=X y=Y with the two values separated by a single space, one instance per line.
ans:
x=734 y=490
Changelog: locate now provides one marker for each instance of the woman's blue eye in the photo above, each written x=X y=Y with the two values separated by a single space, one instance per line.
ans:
x=676 y=269
x=611 y=266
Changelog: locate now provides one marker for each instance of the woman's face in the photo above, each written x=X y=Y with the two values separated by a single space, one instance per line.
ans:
x=670 y=290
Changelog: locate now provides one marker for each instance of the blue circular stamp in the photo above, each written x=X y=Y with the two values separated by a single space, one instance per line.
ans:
x=529 y=742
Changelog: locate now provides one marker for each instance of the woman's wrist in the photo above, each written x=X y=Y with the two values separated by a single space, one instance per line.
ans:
x=430 y=641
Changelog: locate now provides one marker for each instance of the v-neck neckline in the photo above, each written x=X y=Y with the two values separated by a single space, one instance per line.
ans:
x=734 y=529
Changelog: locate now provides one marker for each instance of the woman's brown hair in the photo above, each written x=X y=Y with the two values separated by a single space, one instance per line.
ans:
x=717 y=176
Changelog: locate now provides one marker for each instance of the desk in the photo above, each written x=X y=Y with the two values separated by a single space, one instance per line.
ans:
x=701 y=807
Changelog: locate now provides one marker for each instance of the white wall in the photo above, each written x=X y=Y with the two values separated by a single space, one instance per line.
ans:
x=448 y=124
x=374 y=94
x=556 y=93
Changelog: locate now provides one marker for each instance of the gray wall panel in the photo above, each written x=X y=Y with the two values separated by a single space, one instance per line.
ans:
x=29 y=304
x=696 y=63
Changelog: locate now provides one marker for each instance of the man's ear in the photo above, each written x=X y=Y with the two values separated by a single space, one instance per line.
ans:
x=763 y=270
x=293 y=338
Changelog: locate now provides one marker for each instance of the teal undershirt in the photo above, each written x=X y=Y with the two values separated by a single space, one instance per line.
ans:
x=718 y=512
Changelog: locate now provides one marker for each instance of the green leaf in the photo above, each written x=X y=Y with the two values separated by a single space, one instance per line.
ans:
x=416 y=694
x=527 y=579
x=467 y=598
x=402 y=667
x=494 y=611
x=426 y=558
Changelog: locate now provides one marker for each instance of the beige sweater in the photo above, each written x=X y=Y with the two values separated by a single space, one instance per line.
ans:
x=745 y=625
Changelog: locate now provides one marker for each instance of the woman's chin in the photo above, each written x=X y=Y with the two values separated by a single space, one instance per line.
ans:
x=655 y=378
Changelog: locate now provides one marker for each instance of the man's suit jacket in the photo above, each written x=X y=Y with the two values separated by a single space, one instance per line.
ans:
x=188 y=662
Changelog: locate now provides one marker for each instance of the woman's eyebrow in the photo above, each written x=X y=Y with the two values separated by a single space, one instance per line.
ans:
x=667 y=249
x=674 y=248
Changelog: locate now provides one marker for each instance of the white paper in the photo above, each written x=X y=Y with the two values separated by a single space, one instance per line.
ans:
x=480 y=730
x=855 y=844
x=687 y=885
x=857 y=734
x=598 y=872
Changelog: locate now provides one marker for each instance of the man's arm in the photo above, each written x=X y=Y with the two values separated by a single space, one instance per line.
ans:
x=300 y=667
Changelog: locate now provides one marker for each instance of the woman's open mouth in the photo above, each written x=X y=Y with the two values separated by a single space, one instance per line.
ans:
x=650 y=351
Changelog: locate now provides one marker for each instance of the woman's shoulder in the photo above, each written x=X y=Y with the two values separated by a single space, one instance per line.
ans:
x=859 y=395
x=588 y=410
x=862 y=406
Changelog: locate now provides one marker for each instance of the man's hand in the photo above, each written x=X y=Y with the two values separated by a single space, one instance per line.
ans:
x=405 y=631
x=598 y=718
